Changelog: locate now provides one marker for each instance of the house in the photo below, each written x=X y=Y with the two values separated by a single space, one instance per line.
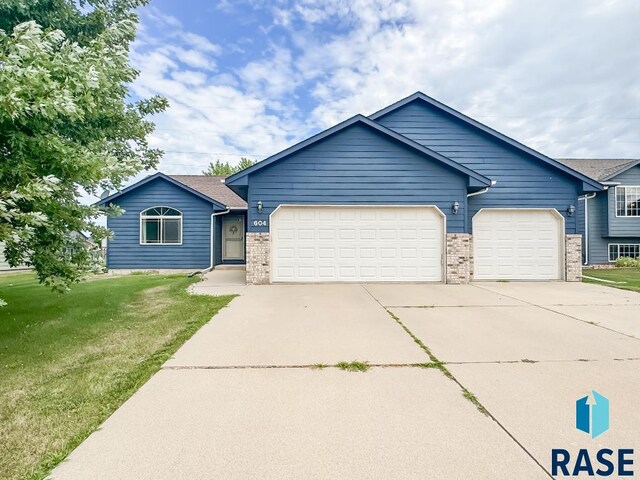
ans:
x=4 y=264
x=415 y=192
x=609 y=220
x=85 y=239
x=183 y=222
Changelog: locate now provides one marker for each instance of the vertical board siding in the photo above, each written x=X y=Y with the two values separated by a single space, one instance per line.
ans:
x=580 y=209
x=125 y=251
x=623 y=226
x=522 y=181
x=357 y=166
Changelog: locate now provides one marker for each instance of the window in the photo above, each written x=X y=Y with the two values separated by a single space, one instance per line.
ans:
x=161 y=226
x=627 y=201
x=617 y=250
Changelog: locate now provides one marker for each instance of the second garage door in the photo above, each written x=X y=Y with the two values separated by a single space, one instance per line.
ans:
x=357 y=244
x=517 y=244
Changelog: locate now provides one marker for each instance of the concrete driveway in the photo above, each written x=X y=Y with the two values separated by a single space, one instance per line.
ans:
x=242 y=398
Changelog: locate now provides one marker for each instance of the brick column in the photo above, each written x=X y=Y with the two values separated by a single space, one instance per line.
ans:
x=258 y=254
x=573 y=258
x=459 y=258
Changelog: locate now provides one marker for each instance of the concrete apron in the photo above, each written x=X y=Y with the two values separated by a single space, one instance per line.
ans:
x=239 y=400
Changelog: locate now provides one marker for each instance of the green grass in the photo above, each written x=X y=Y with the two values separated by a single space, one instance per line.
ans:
x=67 y=361
x=629 y=275
x=354 y=366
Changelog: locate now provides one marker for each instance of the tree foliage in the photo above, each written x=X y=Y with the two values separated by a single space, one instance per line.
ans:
x=225 y=168
x=66 y=127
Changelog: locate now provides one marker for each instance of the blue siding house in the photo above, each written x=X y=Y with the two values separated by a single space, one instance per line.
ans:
x=610 y=220
x=415 y=192
x=176 y=222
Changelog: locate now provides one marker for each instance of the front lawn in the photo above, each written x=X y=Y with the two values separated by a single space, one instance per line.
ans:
x=631 y=277
x=67 y=361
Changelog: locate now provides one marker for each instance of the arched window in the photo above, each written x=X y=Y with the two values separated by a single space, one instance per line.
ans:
x=161 y=226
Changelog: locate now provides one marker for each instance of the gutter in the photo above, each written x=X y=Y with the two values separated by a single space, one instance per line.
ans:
x=586 y=225
x=480 y=192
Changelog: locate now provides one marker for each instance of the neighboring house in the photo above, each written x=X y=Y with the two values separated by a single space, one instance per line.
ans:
x=4 y=265
x=188 y=222
x=415 y=192
x=610 y=220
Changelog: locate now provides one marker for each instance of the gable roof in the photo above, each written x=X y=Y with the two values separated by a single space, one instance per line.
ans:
x=601 y=169
x=360 y=119
x=213 y=187
x=216 y=204
x=419 y=96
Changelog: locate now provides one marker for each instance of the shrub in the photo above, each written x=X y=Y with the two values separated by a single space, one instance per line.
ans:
x=628 y=262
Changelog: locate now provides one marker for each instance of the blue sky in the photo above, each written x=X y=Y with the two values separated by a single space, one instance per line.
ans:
x=252 y=77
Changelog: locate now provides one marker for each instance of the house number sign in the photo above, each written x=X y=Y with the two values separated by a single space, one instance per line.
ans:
x=259 y=223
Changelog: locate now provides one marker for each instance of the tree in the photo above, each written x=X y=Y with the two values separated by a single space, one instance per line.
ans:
x=66 y=127
x=225 y=169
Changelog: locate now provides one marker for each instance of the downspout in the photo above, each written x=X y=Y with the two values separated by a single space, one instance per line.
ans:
x=586 y=226
x=211 y=256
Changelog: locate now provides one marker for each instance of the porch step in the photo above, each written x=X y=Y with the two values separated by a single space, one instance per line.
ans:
x=229 y=267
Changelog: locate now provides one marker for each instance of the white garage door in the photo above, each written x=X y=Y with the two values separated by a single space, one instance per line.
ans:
x=356 y=244
x=518 y=244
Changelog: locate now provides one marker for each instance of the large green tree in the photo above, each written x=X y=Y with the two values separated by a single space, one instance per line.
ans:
x=67 y=126
x=226 y=169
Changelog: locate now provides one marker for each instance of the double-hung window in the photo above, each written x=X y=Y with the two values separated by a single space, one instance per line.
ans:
x=161 y=226
x=627 y=201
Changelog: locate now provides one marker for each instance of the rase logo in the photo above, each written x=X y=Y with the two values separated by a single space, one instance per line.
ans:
x=592 y=414
x=592 y=417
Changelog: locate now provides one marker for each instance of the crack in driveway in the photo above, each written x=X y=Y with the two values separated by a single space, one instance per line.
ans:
x=466 y=393
x=560 y=313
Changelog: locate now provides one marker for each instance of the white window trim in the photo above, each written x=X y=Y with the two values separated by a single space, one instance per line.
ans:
x=615 y=204
x=609 y=245
x=159 y=217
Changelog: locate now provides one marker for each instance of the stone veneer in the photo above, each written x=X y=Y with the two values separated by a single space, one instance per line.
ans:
x=258 y=258
x=573 y=258
x=459 y=258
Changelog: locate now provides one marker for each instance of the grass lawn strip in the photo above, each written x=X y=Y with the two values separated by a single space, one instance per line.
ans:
x=624 y=278
x=67 y=361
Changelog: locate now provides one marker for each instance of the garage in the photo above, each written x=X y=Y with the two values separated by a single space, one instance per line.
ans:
x=357 y=244
x=518 y=244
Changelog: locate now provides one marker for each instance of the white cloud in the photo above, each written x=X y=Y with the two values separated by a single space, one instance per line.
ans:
x=209 y=116
x=559 y=76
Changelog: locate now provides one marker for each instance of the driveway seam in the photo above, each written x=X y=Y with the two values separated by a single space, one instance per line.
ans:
x=312 y=366
x=465 y=391
x=561 y=313
x=582 y=360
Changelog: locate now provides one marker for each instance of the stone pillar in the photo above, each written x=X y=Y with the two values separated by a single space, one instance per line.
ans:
x=573 y=258
x=258 y=258
x=459 y=258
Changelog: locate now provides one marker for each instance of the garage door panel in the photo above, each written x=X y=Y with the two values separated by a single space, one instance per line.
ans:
x=357 y=244
x=517 y=245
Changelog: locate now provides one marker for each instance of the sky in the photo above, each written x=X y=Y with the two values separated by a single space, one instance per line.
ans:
x=250 y=78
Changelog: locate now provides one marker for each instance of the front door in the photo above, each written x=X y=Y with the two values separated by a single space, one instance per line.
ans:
x=233 y=238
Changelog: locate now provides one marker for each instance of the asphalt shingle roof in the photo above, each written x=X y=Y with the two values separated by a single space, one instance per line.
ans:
x=213 y=187
x=597 y=168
